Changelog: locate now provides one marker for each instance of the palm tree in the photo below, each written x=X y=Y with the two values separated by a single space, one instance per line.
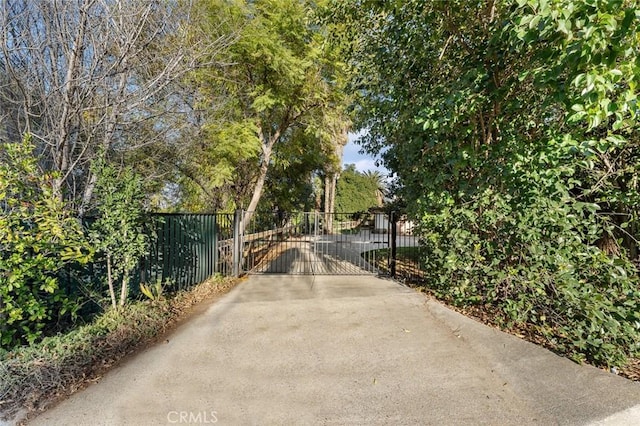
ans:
x=379 y=182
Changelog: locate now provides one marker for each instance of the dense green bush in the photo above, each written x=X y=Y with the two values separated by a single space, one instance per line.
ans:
x=533 y=265
x=513 y=130
x=118 y=229
x=357 y=191
x=37 y=238
x=539 y=219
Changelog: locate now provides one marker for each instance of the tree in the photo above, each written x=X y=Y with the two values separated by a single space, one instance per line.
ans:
x=94 y=77
x=117 y=232
x=376 y=180
x=355 y=192
x=331 y=176
x=282 y=83
x=289 y=185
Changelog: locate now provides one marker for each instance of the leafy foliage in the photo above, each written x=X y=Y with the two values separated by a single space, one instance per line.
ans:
x=513 y=130
x=37 y=239
x=356 y=191
x=118 y=233
x=281 y=103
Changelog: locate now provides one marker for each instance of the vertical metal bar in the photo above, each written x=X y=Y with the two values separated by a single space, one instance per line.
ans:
x=177 y=251
x=282 y=254
x=155 y=260
x=171 y=243
x=196 y=247
x=142 y=263
x=393 y=236
x=231 y=247
x=205 y=248
x=188 y=249
x=209 y=245
x=164 y=246
x=199 y=238
x=214 y=244
x=145 y=272
x=205 y=230
x=237 y=242
x=224 y=234
x=316 y=232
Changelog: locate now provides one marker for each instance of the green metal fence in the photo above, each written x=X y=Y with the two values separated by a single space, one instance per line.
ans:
x=186 y=249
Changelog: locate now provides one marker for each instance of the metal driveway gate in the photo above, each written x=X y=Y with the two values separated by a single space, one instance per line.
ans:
x=316 y=243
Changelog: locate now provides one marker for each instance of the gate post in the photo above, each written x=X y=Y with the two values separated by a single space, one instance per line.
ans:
x=214 y=243
x=237 y=242
x=393 y=236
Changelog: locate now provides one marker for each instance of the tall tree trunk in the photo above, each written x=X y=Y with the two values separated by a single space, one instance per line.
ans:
x=328 y=210
x=257 y=194
x=112 y=292
x=267 y=149
x=124 y=291
x=62 y=152
x=330 y=183
x=331 y=180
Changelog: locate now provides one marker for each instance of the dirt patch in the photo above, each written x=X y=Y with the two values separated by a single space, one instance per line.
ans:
x=632 y=370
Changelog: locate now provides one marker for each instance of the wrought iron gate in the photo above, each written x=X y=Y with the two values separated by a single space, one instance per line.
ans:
x=188 y=248
x=316 y=243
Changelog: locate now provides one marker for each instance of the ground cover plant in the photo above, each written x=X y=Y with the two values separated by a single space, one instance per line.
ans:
x=32 y=377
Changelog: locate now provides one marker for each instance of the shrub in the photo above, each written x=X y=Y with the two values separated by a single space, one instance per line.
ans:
x=538 y=265
x=38 y=236
x=118 y=231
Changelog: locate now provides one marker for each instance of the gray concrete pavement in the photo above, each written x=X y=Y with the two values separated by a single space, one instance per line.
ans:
x=285 y=350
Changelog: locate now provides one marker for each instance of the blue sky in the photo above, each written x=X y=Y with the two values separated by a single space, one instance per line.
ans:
x=363 y=162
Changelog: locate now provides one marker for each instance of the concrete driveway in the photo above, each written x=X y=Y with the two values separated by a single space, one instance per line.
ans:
x=290 y=350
